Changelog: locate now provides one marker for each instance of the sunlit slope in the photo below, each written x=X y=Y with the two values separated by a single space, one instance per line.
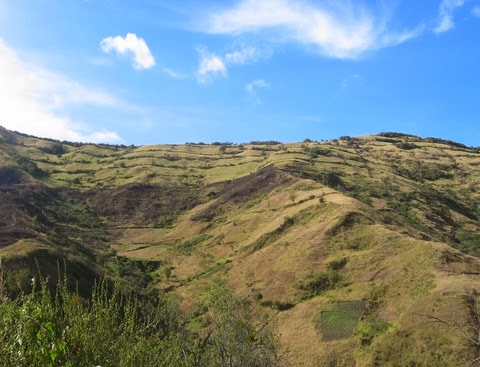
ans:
x=346 y=243
x=269 y=245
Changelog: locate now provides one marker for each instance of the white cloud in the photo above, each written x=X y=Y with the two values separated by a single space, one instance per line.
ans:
x=476 y=10
x=445 y=15
x=210 y=65
x=131 y=46
x=345 y=30
x=394 y=39
x=251 y=88
x=243 y=56
x=33 y=98
x=102 y=136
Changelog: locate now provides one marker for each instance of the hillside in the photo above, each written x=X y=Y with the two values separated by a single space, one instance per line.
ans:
x=346 y=244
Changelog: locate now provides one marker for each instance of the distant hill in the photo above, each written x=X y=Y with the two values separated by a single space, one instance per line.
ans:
x=349 y=244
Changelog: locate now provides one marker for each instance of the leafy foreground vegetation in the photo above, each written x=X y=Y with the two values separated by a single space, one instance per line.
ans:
x=114 y=329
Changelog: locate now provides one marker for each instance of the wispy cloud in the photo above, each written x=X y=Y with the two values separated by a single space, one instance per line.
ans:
x=445 y=15
x=251 y=89
x=242 y=56
x=210 y=65
x=174 y=74
x=343 y=30
x=346 y=82
x=476 y=10
x=132 y=46
x=34 y=101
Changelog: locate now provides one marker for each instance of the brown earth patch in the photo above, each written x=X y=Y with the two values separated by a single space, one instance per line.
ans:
x=242 y=190
x=12 y=176
x=143 y=204
x=22 y=211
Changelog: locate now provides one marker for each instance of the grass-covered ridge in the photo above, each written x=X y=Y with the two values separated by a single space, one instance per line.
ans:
x=388 y=221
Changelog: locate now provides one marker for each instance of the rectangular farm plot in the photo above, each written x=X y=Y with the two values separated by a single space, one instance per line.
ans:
x=341 y=320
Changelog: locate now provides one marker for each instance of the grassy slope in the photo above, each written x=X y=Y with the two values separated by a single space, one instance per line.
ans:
x=266 y=218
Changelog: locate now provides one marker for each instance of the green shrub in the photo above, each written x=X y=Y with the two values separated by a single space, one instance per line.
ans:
x=406 y=146
x=279 y=305
x=316 y=284
x=167 y=220
x=188 y=245
x=56 y=149
x=337 y=264
x=232 y=338
x=375 y=295
x=333 y=180
x=257 y=295
x=62 y=329
x=468 y=242
x=116 y=329
x=271 y=237
x=366 y=331
x=390 y=134
x=30 y=166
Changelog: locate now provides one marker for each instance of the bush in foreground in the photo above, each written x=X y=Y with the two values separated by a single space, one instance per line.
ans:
x=114 y=329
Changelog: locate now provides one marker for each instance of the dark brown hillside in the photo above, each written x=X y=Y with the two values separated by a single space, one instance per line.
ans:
x=12 y=176
x=241 y=191
x=143 y=204
x=22 y=207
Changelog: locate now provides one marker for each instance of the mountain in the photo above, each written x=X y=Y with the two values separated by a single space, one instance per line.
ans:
x=363 y=251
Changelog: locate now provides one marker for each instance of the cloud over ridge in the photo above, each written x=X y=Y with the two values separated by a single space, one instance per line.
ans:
x=34 y=101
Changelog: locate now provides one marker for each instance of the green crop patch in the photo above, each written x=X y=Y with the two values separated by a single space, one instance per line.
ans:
x=341 y=321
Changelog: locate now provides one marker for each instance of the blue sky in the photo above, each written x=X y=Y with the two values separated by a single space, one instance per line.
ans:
x=158 y=71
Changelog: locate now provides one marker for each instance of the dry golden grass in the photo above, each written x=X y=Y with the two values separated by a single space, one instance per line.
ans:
x=271 y=240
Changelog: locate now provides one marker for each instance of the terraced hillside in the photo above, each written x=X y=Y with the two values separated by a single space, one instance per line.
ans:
x=349 y=245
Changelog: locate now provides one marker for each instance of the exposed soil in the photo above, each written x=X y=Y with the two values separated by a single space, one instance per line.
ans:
x=243 y=190
x=143 y=204
x=22 y=208
x=12 y=176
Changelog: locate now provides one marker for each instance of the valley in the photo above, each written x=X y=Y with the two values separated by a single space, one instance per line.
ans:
x=347 y=246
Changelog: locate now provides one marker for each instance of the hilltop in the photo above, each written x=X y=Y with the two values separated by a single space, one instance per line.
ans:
x=346 y=244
